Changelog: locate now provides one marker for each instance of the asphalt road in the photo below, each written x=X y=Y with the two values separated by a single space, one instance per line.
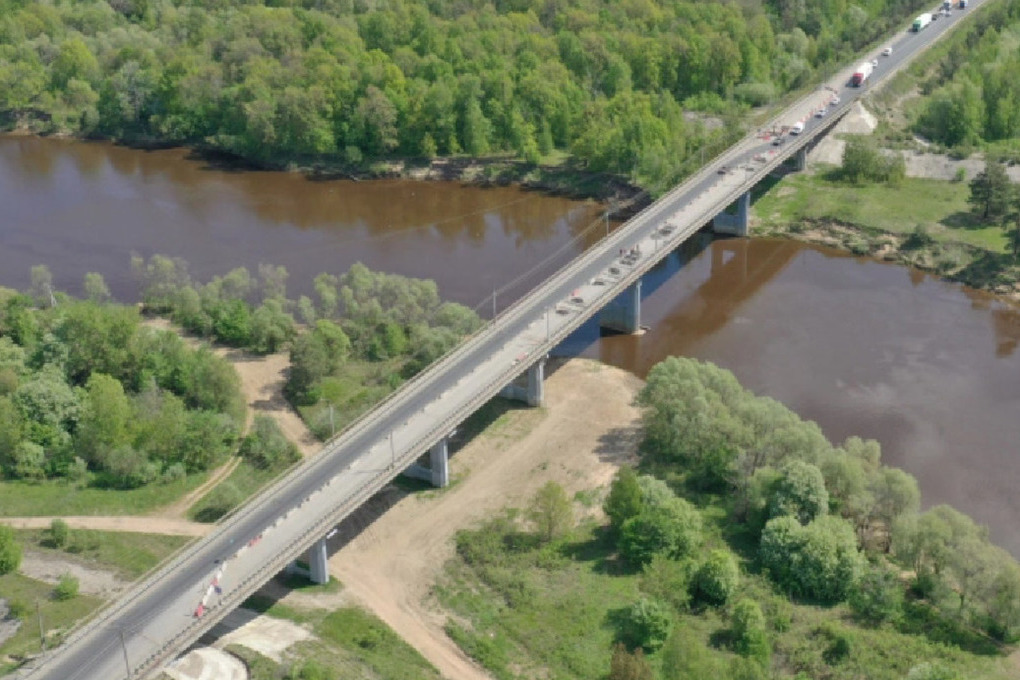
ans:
x=156 y=619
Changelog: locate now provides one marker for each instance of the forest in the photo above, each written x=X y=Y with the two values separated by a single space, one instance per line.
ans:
x=616 y=85
x=744 y=546
x=91 y=395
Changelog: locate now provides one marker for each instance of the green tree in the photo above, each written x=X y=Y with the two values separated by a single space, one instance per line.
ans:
x=625 y=499
x=672 y=529
x=877 y=596
x=748 y=631
x=105 y=419
x=991 y=191
x=717 y=578
x=59 y=532
x=800 y=492
x=668 y=580
x=96 y=289
x=646 y=624
x=818 y=561
x=550 y=511
x=10 y=550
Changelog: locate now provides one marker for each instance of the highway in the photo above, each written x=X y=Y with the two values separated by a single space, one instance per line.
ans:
x=157 y=618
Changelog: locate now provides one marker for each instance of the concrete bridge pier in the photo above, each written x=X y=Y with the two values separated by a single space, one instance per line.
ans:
x=438 y=470
x=735 y=223
x=624 y=313
x=800 y=159
x=533 y=391
x=318 y=564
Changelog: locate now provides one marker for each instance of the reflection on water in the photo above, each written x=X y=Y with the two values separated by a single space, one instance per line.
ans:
x=926 y=367
x=80 y=207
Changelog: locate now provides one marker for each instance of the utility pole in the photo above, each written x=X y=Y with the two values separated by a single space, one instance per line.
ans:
x=42 y=635
x=332 y=425
x=547 y=324
x=493 y=304
x=393 y=453
x=123 y=646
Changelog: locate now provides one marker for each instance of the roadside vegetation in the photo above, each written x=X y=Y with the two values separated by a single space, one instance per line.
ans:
x=605 y=83
x=745 y=545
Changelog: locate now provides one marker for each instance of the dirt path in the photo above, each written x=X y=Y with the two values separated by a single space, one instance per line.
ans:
x=142 y=525
x=179 y=508
x=578 y=440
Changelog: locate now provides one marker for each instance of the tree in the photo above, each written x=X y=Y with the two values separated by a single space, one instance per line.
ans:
x=10 y=550
x=96 y=289
x=991 y=191
x=748 y=631
x=59 y=532
x=624 y=500
x=668 y=580
x=716 y=578
x=105 y=419
x=877 y=596
x=672 y=529
x=646 y=624
x=629 y=666
x=800 y=492
x=550 y=511
x=818 y=561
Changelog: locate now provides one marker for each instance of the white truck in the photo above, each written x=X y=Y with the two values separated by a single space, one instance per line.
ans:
x=862 y=73
x=921 y=21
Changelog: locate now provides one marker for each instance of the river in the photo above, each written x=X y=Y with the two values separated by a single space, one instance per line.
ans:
x=929 y=369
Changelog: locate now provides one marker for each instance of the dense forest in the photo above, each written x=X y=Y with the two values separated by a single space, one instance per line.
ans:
x=350 y=80
x=90 y=394
x=971 y=87
x=744 y=546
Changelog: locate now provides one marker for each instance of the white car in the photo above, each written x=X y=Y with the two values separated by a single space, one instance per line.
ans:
x=887 y=51
x=820 y=113
x=797 y=128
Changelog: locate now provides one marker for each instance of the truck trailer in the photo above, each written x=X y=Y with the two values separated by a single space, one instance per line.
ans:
x=862 y=73
x=921 y=21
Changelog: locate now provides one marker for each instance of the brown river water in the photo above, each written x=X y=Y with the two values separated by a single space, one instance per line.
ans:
x=930 y=369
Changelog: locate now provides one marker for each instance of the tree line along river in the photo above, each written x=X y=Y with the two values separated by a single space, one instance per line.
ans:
x=930 y=369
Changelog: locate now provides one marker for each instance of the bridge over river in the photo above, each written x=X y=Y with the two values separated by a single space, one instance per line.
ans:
x=167 y=611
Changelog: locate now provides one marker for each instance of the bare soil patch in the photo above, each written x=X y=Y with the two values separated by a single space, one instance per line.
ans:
x=587 y=429
x=91 y=581
x=266 y=635
x=207 y=663
x=140 y=525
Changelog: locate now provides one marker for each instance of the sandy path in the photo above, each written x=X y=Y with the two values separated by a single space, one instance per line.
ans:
x=142 y=525
x=578 y=440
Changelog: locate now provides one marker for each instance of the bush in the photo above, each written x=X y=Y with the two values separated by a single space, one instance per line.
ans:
x=646 y=625
x=627 y=666
x=818 y=561
x=67 y=588
x=10 y=551
x=221 y=500
x=717 y=578
x=672 y=529
x=18 y=609
x=748 y=631
x=799 y=491
x=877 y=596
x=667 y=580
x=266 y=447
x=59 y=533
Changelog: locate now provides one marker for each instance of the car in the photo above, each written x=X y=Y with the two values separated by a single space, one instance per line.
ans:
x=723 y=170
x=820 y=113
x=797 y=128
x=887 y=52
x=874 y=62
x=834 y=100
x=778 y=141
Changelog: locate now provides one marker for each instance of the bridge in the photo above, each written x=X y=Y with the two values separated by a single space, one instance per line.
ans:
x=172 y=607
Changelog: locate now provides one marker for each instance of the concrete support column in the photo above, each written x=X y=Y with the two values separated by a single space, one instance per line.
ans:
x=800 y=159
x=439 y=463
x=624 y=313
x=536 y=383
x=734 y=224
x=318 y=562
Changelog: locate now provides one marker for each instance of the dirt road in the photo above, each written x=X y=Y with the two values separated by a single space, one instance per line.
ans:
x=588 y=427
x=142 y=525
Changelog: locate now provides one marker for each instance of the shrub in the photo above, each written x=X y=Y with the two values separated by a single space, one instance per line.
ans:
x=646 y=625
x=629 y=666
x=877 y=596
x=67 y=588
x=818 y=561
x=717 y=578
x=59 y=533
x=10 y=551
x=667 y=580
x=266 y=447
x=18 y=609
x=672 y=529
x=748 y=631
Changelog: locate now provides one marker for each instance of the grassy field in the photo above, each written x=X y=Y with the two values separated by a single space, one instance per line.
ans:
x=552 y=612
x=128 y=554
x=30 y=499
x=242 y=483
x=57 y=616
x=938 y=205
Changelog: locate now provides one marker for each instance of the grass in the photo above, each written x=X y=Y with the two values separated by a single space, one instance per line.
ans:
x=128 y=554
x=550 y=611
x=57 y=616
x=242 y=483
x=33 y=499
x=939 y=205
